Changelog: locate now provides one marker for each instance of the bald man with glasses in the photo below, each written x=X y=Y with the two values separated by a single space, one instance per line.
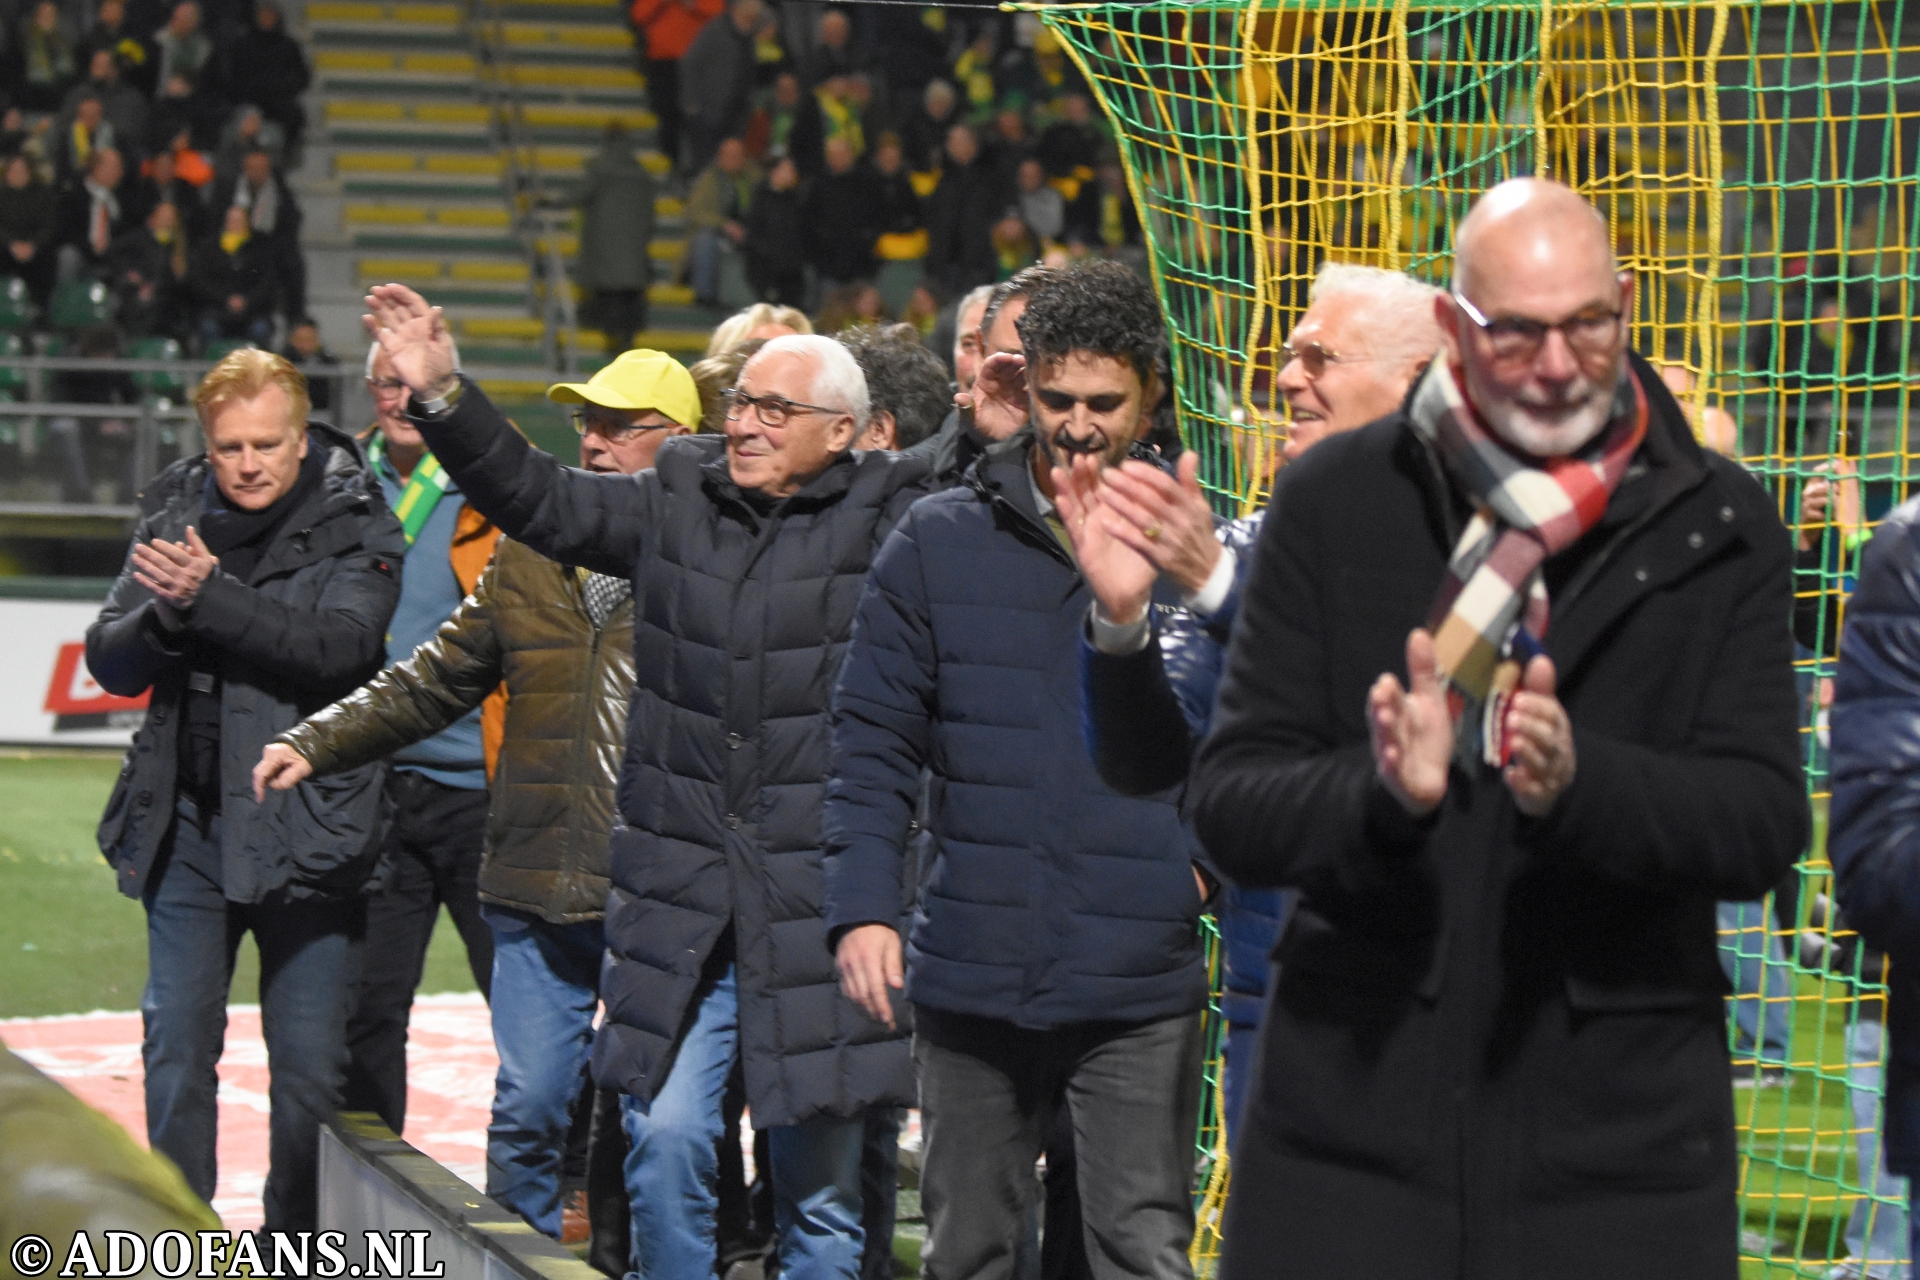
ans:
x=1509 y=704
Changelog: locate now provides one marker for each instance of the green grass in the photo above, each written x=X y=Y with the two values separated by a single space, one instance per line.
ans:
x=69 y=941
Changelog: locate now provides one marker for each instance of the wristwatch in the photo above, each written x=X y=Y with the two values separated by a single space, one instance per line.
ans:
x=439 y=406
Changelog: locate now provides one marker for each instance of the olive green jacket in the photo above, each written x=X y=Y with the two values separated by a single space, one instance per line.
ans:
x=568 y=685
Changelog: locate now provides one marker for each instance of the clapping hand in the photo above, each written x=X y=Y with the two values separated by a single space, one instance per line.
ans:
x=1120 y=577
x=174 y=572
x=1412 y=730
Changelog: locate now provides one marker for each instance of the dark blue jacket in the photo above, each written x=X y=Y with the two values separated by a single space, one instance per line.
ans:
x=1051 y=898
x=1145 y=712
x=1874 y=834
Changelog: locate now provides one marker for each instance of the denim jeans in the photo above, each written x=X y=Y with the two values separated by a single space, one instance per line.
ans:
x=1876 y=1231
x=1762 y=983
x=546 y=985
x=673 y=1161
x=309 y=951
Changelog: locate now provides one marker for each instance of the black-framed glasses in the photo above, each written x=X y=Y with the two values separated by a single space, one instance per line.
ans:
x=773 y=410
x=611 y=427
x=1589 y=334
x=1314 y=357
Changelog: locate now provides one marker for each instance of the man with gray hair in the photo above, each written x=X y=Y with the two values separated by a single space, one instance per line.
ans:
x=1365 y=336
x=746 y=552
x=1509 y=706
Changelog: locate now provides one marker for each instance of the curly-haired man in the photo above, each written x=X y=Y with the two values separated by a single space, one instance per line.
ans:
x=1053 y=952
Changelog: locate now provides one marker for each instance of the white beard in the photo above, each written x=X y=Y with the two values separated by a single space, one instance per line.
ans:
x=1548 y=438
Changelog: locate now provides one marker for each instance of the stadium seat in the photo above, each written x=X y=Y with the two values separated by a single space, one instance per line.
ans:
x=79 y=303
x=221 y=348
x=168 y=385
x=13 y=382
x=16 y=307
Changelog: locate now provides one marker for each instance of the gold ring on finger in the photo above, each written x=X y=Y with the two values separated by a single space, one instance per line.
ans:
x=1152 y=532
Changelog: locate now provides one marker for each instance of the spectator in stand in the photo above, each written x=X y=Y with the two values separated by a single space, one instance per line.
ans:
x=1577 y=772
x=185 y=120
x=1072 y=145
x=616 y=233
x=88 y=130
x=124 y=106
x=667 y=29
x=777 y=237
x=1053 y=952
x=914 y=41
x=779 y=522
x=832 y=54
x=960 y=217
x=925 y=137
x=716 y=81
x=91 y=216
x=29 y=228
x=260 y=581
x=305 y=352
x=43 y=62
x=849 y=305
x=761 y=322
x=844 y=103
x=907 y=389
x=559 y=640
x=147 y=269
x=842 y=211
x=717 y=215
x=1014 y=244
x=898 y=214
x=962 y=439
x=1007 y=141
x=247 y=129
x=1103 y=216
x=234 y=282
x=973 y=73
x=159 y=182
x=1041 y=207
x=1364 y=339
x=267 y=68
x=136 y=56
x=273 y=221
x=184 y=48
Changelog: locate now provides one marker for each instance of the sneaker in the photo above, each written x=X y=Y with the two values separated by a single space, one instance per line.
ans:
x=574 y=1228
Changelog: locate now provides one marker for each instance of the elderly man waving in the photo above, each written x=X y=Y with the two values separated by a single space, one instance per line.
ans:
x=1496 y=1046
x=746 y=555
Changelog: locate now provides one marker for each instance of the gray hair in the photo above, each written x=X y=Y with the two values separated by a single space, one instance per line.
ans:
x=373 y=353
x=837 y=380
x=1399 y=309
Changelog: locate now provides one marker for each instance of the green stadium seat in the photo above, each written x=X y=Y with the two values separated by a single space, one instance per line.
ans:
x=16 y=307
x=13 y=382
x=168 y=385
x=79 y=303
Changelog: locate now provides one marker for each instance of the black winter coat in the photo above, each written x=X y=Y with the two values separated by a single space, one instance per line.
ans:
x=1497 y=1045
x=308 y=626
x=960 y=217
x=741 y=619
x=1050 y=898
x=843 y=220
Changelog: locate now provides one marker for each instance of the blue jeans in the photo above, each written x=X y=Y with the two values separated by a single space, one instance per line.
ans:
x=546 y=985
x=1876 y=1231
x=672 y=1164
x=1762 y=983
x=309 y=956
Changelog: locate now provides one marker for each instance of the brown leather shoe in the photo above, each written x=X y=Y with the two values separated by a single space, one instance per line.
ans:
x=574 y=1228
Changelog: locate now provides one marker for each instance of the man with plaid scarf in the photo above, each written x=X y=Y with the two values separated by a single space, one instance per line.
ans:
x=1510 y=703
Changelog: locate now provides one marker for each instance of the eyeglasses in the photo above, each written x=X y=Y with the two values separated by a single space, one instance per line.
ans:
x=1590 y=335
x=773 y=410
x=612 y=429
x=386 y=386
x=1314 y=358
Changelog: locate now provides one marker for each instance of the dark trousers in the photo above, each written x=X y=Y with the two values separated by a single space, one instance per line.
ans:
x=989 y=1092
x=619 y=313
x=663 y=95
x=434 y=842
x=308 y=954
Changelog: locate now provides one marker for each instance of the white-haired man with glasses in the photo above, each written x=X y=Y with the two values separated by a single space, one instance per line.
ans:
x=437 y=785
x=1509 y=704
x=746 y=553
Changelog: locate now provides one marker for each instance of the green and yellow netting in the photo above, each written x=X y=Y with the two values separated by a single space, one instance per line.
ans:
x=1757 y=163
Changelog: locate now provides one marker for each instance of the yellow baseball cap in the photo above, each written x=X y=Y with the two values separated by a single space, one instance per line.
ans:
x=637 y=379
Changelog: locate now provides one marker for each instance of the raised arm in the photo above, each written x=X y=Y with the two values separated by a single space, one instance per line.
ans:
x=570 y=515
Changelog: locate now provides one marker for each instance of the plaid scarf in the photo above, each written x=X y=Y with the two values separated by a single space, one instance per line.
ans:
x=1490 y=614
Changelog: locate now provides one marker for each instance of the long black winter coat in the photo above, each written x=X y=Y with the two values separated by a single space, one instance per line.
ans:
x=308 y=626
x=1497 y=1045
x=741 y=618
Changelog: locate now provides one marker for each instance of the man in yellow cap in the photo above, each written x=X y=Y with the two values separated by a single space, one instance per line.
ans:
x=561 y=640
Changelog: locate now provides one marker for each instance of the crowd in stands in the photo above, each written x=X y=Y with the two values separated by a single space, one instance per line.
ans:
x=822 y=144
x=144 y=151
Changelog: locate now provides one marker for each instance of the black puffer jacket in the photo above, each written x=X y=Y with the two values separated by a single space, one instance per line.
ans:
x=306 y=627
x=741 y=618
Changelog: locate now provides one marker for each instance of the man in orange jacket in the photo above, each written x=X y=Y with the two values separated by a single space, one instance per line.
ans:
x=666 y=28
